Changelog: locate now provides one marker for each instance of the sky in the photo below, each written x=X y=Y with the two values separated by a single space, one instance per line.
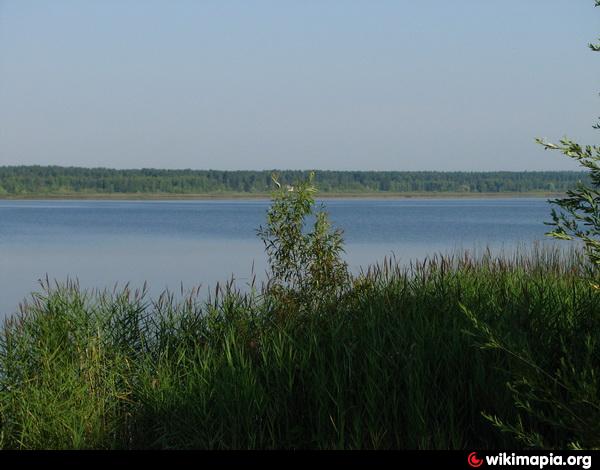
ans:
x=462 y=85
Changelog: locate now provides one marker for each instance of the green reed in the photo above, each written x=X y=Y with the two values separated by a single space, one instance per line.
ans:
x=450 y=352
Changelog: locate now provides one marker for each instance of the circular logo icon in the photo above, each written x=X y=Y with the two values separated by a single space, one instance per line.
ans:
x=474 y=461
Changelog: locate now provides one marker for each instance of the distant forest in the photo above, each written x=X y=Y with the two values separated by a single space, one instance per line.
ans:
x=56 y=180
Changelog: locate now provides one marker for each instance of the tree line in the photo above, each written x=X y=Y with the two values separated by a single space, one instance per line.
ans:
x=31 y=180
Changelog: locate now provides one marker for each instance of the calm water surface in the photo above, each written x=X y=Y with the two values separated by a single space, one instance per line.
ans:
x=175 y=243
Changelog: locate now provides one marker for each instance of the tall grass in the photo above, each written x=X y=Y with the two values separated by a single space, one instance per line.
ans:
x=451 y=352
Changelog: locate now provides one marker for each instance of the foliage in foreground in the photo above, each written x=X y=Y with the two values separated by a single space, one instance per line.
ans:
x=394 y=363
x=577 y=216
x=306 y=269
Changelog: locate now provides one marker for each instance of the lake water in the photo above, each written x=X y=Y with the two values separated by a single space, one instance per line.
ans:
x=175 y=243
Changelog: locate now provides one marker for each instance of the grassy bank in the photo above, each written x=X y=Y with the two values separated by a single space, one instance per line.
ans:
x=450 y=353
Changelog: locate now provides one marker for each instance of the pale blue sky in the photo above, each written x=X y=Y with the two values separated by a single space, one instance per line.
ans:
x=251 y=84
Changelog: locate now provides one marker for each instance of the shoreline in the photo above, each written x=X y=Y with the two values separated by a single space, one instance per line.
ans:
x=241 y=196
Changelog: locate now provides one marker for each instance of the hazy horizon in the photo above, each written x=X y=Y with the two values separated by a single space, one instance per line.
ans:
x=338 y=85
x=350 y=170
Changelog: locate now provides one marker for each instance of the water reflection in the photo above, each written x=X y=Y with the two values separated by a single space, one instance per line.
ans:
x=170 y=243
